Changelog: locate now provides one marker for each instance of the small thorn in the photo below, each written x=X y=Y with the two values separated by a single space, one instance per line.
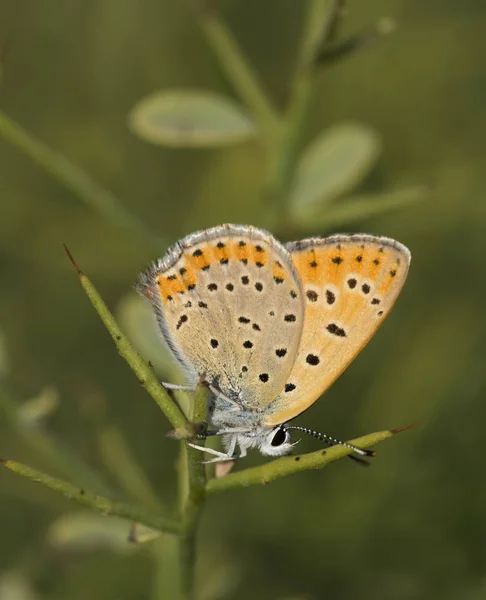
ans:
x=70 y=256
x=400 y=429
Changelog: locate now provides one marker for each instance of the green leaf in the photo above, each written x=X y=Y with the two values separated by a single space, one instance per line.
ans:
x=367 y=205
x=35 y=410
x=333 y=164
x=14 y=585
x=190 y=119
x=85 y=531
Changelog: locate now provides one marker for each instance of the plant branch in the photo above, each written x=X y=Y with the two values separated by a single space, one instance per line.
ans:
x=364 y=206
x=240 y=73
x=118 y=457
x=75 y=179
x=320 y=21
x=98 y=503
x=144 y=373
x=360 y=41
x=66 y=462
x=294 y=464
x=196 y=495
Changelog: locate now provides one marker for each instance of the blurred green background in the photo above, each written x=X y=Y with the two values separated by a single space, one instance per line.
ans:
x=411 y=527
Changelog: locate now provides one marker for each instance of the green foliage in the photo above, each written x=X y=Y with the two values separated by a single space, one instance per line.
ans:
x=286 y=77
x=190 y=119
x=332 y=165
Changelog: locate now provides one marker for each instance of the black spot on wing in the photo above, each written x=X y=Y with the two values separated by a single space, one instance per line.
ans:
x=330 y=297
x=336 y=330
x=312 y=359
x=183 y=319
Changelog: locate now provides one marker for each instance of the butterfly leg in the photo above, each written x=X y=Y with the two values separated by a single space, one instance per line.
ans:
x=173 y=386
x=220 y=456
x=230 y=454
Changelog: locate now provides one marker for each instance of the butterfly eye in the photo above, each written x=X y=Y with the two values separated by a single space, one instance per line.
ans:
x=280 y=437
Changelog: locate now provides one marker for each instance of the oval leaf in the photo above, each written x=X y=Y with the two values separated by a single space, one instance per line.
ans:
x=14 y=585
x=190 y=119
x=333 y=164
x=137 y=320
x=32 y=412
x=83 y=531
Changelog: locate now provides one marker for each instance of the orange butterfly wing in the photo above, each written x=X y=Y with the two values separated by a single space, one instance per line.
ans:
x=351 y=283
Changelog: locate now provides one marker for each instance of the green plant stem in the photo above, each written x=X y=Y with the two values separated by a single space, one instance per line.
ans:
x=118 y=457
x=76 y=180
x=98 y=503
x=360 y=41
x=142 y=370
x=364 y=206
x=166 y=577
x=62 y=459
x=240 y=74
x=196 y=495
x=293 y=464
x=321 y=17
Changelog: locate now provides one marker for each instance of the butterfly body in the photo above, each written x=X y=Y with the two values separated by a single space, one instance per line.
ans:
x=270 y=326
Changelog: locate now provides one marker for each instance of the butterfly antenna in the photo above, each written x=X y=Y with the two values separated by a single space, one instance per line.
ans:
x=332 y=441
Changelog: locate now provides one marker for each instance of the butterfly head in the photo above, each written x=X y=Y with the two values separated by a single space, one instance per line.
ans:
x=275 y=441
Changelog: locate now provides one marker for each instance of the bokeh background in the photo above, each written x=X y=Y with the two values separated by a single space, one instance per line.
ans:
x=411 y=527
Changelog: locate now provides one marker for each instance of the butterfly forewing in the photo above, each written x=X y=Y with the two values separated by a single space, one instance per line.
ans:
x=350 y=283
x=230 y=306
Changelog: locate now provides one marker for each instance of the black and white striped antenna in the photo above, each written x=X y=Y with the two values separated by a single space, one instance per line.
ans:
x=331 y=441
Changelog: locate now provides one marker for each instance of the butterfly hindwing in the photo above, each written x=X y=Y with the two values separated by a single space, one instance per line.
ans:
x=230 y=306
x=350 y=283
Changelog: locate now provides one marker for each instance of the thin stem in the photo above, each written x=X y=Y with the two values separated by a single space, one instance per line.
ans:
x=360 y=41
x=196 y=496
x=294 y=464
x=75 y=179
x=363 y=206
x=166 y=576
x=60 y=458
x=118 y=457
x=142 y=370
x=94 y=501
x=320 y=20
x=240 y=73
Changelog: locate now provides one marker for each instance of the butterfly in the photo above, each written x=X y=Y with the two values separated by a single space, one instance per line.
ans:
x=270 y=325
